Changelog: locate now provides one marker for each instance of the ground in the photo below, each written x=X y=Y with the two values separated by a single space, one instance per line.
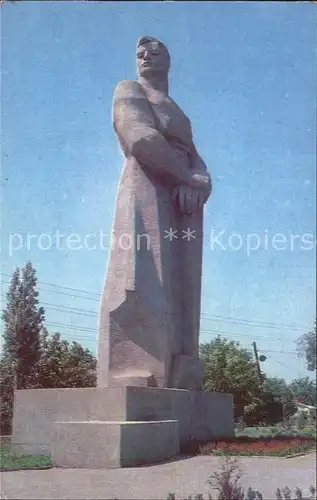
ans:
x=184 y=477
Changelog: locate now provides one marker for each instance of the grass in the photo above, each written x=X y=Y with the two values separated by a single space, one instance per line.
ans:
x=10 y=460
x=276 y=431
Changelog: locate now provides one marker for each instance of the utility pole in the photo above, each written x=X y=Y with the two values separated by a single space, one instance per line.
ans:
x=256 y=356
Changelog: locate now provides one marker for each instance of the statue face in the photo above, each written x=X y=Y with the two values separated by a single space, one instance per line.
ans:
x=152 y=58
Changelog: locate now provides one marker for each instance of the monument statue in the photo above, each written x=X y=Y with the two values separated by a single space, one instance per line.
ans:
x=150 y=311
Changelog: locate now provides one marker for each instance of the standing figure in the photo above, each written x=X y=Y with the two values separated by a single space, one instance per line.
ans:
x=150 y=312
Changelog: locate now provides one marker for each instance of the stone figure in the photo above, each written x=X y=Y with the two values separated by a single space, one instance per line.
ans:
x=150 y=311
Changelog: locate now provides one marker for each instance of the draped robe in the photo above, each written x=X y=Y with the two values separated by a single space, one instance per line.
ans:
x=150 y=311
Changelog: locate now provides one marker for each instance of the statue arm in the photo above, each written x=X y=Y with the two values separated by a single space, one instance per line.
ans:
x=191 y=199
x=135 y=126
x=198 y=165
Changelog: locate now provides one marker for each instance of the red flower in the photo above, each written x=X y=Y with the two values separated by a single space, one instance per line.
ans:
x=261 y=446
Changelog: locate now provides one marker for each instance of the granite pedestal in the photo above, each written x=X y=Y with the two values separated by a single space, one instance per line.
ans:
x=41 y=417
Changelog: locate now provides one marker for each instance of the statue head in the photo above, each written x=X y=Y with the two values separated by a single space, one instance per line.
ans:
x=152 y=57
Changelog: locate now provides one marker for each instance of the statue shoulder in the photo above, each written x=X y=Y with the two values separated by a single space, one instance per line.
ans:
x=128 y=88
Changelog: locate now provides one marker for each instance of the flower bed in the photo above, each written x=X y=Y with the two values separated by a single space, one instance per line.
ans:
x=280 y=446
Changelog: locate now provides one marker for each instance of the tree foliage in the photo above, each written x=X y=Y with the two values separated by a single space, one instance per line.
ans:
x=304 y=390
x=282 y=392
x=6 y=393
x=31 y=358
x=230 y=368
x=306 y=347
x=65 y=364
x=23 y=322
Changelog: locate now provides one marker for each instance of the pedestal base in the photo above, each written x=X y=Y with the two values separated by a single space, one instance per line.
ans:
x=99 y=444
x=200 y=415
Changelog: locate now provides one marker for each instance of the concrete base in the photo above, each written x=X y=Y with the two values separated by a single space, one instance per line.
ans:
x=188 y=372
x=200 y=415
x=98 y=444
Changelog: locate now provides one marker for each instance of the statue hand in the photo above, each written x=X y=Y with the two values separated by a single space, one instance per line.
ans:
x=201 y=181
x=188 y=198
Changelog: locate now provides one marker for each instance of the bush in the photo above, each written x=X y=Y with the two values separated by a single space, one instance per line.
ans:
x=227 y=483
x=280 y=494
x=265 y=412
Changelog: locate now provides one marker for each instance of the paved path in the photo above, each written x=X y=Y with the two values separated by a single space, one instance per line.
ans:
x=183 y=477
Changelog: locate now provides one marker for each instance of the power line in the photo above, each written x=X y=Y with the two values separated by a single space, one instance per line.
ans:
x=253 y=323
x=93 y=314
x=231 y=318
x=58 y=286
x=251 y=335
x=62 y=293
x=77 y=310
x=69 y=294
x=207 y=316
x=71 y=289
x=279 y=352
x=93 y=330
x=85 y=330
x=281 y=363
x=73 y=310
x=284 y=365
x=77 y=328
x=207 y=332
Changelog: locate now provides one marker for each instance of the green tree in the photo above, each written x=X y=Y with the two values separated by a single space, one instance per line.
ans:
x=278 y=386
x=282 y=392
x=31 y=358
x=65 y=364
x=230 y=368
x=304 y=389
x=306 y=347
x=6 y=393
x=23 y=321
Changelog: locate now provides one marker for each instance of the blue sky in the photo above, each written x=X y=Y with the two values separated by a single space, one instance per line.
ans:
x=245 y=75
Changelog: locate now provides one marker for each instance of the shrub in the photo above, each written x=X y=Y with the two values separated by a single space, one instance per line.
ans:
x=281 y=494
x=226 y=483
x=263 y=411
